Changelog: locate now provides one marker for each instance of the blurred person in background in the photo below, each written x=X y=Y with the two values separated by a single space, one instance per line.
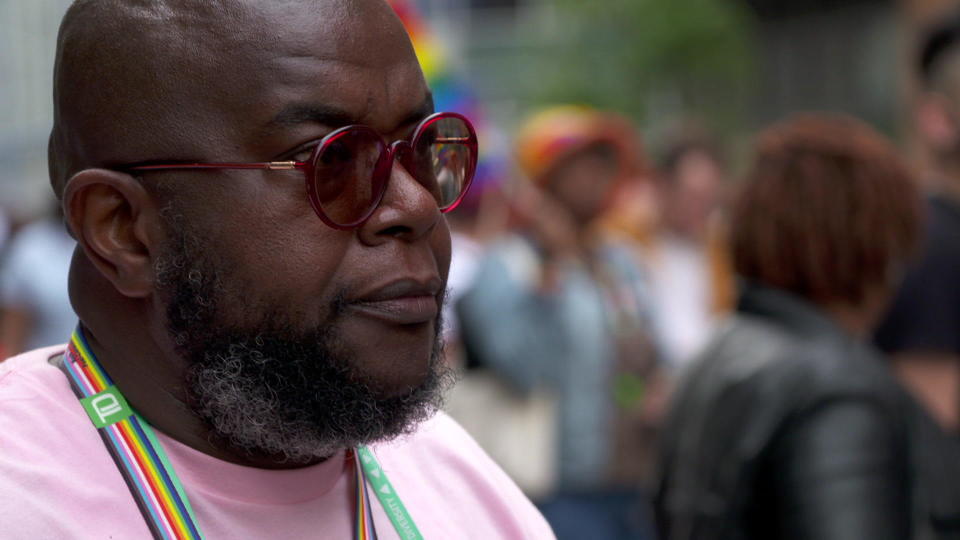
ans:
x=33 y=285
x=466 y=252
x=556 y=304
x=789 y=425
x=689 y=187
x=922 y=330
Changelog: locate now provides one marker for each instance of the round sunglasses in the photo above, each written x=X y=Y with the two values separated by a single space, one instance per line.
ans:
x=346 y=175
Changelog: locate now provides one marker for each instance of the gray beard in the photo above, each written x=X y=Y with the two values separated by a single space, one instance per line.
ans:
x=273 y=389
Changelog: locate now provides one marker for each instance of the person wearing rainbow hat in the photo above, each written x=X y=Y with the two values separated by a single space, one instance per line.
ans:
x=559 y=304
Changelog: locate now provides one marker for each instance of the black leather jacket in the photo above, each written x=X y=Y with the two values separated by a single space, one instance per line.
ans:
x=787 y=428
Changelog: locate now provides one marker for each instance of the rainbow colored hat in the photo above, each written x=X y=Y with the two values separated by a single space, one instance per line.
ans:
x=556 y=132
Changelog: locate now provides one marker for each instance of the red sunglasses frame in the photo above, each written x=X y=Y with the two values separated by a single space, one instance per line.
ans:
x=381 y=172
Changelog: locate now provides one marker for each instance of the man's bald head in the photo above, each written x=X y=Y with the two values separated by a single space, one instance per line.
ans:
x=134 y=79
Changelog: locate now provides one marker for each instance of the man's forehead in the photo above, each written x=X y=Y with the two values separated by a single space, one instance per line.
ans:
x=332 y=45
x=344 y=91
x=351 y=57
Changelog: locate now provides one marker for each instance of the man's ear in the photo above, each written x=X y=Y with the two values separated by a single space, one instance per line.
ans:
x=115 y=221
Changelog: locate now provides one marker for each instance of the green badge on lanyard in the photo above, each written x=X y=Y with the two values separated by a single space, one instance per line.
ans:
x=106 y=408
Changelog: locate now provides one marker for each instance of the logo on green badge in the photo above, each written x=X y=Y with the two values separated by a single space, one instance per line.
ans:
x=106 y=408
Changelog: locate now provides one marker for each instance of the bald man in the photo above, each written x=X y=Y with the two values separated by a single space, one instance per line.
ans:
x=248 y=349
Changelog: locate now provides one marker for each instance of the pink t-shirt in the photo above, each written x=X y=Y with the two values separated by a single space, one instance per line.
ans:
x=57 y=479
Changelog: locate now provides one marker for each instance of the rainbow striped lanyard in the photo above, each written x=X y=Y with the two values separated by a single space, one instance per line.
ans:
x=151 y=478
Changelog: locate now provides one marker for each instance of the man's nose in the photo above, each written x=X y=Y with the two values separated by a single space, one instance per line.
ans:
x=407 y=212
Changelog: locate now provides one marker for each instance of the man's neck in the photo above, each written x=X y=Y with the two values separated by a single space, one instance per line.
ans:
x=153 y=384
x=162 y=400
x=129 y=337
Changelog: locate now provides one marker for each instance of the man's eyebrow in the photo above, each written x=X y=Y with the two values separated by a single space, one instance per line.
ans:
x=333 y=117
x=302 y=113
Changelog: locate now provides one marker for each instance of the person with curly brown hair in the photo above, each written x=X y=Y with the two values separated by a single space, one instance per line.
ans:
x=789 y=425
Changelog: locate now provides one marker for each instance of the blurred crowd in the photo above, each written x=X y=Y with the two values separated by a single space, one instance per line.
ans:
x=657 y=345
x=34 y=261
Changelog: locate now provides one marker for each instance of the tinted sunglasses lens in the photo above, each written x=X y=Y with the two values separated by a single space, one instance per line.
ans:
x=443 y=159
x=344 y=179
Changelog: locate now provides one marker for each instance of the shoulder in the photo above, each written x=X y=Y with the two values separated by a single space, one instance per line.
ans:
x=619 y=244
x=834 y=368
x=760 y=374
x=454 y=486
x=509 y=271
x=732 y=387
x=742 y=350
x=625 y=257
x=756 y=381
x=827 y=361
x=515 y=255
x=56 y=477
x=35 y=399
x=28 y=374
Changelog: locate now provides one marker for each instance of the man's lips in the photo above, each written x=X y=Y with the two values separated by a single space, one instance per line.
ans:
x=402 y=301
